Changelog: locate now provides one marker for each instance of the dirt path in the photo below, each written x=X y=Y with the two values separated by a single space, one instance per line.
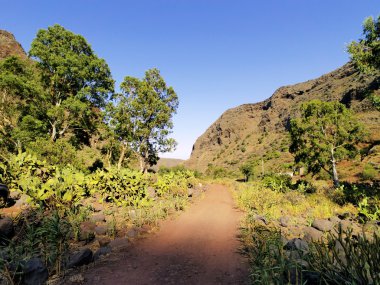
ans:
x=198 y=247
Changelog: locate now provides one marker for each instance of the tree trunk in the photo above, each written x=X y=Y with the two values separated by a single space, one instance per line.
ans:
x=334 y=170
x=53 y=136
x=108 y=157
x=122 y=156
x=142 y=168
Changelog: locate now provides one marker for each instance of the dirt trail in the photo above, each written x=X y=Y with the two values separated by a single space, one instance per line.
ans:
x=198 y=247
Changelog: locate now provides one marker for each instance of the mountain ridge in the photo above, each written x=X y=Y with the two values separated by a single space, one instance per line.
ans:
x=259 y=130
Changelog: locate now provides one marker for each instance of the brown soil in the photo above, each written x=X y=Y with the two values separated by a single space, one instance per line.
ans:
x=198 y=247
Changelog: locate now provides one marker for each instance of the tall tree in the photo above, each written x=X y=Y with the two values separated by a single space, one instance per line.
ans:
x=78 y=82
x=325 y=133
x=365 y=53
x=142 y=117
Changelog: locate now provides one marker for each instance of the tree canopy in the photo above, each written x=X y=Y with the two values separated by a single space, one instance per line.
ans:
x=365 y=53
x=76 y=80
x=325 y=133
x=142 y=117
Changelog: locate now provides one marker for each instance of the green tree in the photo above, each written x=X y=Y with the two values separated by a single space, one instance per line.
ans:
x=248 y=170
x=78 y=83
x=365 y=53
x=325 y=133
x=21 y=118
x=142 y=117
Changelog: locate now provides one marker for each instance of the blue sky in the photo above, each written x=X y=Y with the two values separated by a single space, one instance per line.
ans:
x=217 y=54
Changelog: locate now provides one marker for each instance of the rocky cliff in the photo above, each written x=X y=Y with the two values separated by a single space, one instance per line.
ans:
x=9 y=46
x=258 y=131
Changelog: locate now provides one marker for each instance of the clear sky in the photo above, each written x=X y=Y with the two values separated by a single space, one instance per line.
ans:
x=217 y=54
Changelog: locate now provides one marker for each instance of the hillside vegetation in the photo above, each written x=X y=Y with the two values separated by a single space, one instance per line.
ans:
x=259 y=132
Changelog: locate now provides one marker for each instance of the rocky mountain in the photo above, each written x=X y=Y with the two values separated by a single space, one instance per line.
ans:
x=259 y=131
x=9 y=46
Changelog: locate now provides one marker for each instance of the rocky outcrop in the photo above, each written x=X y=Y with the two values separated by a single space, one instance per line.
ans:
x=9 y=46
x=259 y=130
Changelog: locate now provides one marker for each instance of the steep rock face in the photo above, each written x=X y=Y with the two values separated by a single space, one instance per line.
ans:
x=9 y=46
x=258 y=131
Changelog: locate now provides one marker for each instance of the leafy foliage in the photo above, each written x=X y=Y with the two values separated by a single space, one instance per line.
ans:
x=142 y=117
x=326 y=133
x=76 y=80
x=353 y=261
x=122 y=187
x=366 y=52
x=175 y=183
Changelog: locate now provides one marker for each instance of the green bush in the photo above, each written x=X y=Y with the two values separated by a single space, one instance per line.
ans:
x=277 y=182
x=369 y=172
x=124 y=187
x=175 y=183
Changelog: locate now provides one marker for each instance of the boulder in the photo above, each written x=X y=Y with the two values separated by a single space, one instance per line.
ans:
x=101 y=230
x=322 y=225
x=335 y=220
x=297 y=244
x=35 y=272
x=104 y=241
x=22 y=201
x=97 y=207
x=98 y=217
x=102 y=251
x=6 y=228
x=4 y=193
x=312 y=234
x=79 y=258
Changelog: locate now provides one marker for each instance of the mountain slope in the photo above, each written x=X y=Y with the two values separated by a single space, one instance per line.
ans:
x=9 y=46
x=258 y=131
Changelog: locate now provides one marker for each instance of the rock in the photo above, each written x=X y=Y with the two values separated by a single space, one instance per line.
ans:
x=132 y=214
x=312 y=234
x=97 y=207
x=190 y=192
x=6 y=228
x=98 y=217
x=35 y=272
x=87 y=231
x=297 y=244
x=101 y=230
x=284 y=221
x=345 y=224
x=344 y=216
x=104 y=241
x=322 y=225
x=102 y=251
x=80 y=258
x=260 y=219
x=22 y=201
x=335 y=220
x=15 y=194
x=77 y=278
x=4 y=193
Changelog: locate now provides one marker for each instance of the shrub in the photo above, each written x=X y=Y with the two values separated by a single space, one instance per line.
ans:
x=369 y=172
x=344 y=259
x=122 y=187
x=278 y=182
